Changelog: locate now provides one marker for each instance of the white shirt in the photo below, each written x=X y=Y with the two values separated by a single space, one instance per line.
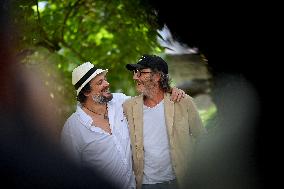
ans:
x=157 y=160
x=91 y=146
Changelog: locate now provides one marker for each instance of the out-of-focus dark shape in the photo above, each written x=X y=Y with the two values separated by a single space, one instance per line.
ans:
x=236 y=154
x=196 y=87
x=225 y=158
x=31 y=156
x=190 y=73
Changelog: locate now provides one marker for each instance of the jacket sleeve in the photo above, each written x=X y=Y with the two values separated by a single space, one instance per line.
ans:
x=195 y=123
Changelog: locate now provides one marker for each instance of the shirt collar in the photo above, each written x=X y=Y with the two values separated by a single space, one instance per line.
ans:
x=87 y=120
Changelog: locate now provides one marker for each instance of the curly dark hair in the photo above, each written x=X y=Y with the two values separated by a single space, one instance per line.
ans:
x=81 y=96
x=165 y=81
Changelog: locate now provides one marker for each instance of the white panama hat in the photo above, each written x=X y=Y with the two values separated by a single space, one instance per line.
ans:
x=82 y=74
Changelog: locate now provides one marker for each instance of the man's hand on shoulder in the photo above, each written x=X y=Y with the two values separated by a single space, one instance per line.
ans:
x=177 y=94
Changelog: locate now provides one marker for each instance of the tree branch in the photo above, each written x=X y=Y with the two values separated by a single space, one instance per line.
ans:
x=45 y=41
x=71 y=8
x=73 y=50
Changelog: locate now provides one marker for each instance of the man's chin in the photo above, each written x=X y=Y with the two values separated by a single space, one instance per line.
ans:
x=103 y=98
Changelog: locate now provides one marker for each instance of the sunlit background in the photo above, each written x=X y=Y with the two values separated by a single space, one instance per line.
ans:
x=53 y=37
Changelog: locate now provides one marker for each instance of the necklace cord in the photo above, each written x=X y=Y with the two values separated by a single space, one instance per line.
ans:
x=105 y=114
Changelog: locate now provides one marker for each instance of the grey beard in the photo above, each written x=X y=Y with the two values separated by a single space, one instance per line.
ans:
x=101 y=99
x=150 y=89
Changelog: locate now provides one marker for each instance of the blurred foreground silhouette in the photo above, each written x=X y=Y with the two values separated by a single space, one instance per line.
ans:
x=30 y=152
x=234 y=154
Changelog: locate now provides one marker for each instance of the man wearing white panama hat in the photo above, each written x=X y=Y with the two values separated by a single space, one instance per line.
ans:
x=96 y=134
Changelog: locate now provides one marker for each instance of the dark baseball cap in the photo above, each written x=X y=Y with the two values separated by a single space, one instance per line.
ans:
x=149 y=61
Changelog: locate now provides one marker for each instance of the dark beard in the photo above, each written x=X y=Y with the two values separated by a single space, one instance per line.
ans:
x=102 y=99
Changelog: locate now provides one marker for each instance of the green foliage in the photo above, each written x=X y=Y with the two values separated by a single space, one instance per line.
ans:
x=58 y=35
x=207 y=115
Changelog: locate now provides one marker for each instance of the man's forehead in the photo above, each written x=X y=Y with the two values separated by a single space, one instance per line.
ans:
x=99 y=77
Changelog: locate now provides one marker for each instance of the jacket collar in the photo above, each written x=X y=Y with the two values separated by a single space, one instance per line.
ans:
x=169 y=112
x=138 y=120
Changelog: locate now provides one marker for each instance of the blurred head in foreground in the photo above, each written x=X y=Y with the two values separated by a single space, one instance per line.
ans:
x=30 y=155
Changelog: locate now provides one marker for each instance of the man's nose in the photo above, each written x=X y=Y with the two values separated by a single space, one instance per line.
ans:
x=106 y=83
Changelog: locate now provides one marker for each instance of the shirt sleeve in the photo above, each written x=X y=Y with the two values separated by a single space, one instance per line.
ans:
x=122 y=97
x=69 y=144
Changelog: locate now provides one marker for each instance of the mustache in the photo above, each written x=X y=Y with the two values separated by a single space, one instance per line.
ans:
x=106 y=89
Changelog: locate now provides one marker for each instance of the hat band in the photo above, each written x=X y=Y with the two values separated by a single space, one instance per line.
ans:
x=85 y=77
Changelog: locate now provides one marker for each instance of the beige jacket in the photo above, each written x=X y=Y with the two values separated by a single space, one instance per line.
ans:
x=183 y=126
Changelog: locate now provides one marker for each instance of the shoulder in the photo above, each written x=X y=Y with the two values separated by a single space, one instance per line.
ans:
x=71 y=120
x=76 y=119
x=187 y=98
x=132 y=100
x=130 y=103
x=186 y=101
x=118 y=99
x=120 y=96
x=69 y=124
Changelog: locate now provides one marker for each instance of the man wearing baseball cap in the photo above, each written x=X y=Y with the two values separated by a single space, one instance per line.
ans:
x=97 y=135
x=161 y=132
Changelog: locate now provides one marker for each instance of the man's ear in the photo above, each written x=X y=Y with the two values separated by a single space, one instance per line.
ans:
x=87 y=93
